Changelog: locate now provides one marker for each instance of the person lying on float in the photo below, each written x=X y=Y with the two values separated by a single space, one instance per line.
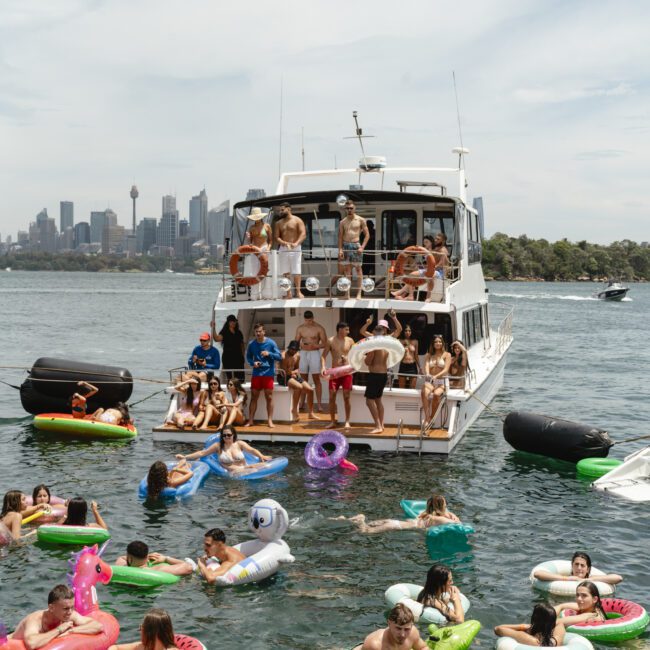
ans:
x=138 y=556
x=219 y=557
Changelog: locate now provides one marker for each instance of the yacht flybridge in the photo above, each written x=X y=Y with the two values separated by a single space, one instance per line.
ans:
x=401 y=206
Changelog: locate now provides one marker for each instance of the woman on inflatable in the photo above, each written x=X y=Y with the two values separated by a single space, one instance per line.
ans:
x=408 y=290
x=229 y=451
x=587 y=604
x=435 y=514
x=78 y=402
x=119 y=415
x=159 y=477
x=459 y=365
x=156 y=633
x=580 y=570
x=440 y=593
x=409 y=366
x=78 y=511
x=14 y=509
x=543 y=630
x=436 y=367
x=188 y=402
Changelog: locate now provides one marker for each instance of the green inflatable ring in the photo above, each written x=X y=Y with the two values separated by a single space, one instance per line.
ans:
x=453 y=637
x=56 y=534
x=141 y=577
x=596 y=467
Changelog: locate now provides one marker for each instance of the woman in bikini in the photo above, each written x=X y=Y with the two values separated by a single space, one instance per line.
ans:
x=14 y=509
x=458 y=366
x=587 y=605
x=543 y=630
x=78 y=401
x=210 y=407
x=435 y=514
x=159 y=477
x=188 y=402
x=235 y=406
x=436 y=367
x=440 y=593
x=409 y=367
x=119 y=415
x=259 y=235
x=230 y=452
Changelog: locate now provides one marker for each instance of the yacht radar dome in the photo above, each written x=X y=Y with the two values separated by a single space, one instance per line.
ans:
x=372 y=163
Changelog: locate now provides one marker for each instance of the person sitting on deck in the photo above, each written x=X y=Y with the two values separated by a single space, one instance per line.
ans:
x=204 y=357
x=218 y=556
x=188 y=402
x=78 y=402
x=159 y=477
x=137 y=555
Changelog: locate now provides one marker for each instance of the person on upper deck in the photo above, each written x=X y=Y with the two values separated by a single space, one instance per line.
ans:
x=289 y=232
x=261 y=354
x=350 y=250
x=407 y=292
x=259 y=235
x=312 y=338
x=204 y=356
x=232 y=344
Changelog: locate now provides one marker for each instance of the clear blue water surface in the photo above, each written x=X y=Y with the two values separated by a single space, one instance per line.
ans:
x=573 y=356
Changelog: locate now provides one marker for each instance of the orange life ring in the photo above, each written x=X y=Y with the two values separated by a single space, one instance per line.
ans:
x=415 y=281
x=249 y=280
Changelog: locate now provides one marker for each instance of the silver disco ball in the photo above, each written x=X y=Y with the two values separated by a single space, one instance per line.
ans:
x=284 y=284
x=368 y=285
x=343 y=284
x=312 y=283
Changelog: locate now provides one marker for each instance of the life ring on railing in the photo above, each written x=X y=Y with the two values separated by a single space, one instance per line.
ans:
x=249 y=280
x=415 y=281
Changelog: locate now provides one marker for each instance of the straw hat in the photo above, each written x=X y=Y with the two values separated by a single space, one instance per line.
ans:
x=256 y=214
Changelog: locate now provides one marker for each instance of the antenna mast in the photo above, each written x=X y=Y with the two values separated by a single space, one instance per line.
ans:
x=461 y=160
x=302 y=147
x=280 y=139
x=359 y=133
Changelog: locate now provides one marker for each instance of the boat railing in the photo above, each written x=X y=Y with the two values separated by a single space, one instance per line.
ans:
x=322 y=277
x=504 y=313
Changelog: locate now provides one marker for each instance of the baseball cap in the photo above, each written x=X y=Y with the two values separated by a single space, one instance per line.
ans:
x=205 y=336
x=383 y=323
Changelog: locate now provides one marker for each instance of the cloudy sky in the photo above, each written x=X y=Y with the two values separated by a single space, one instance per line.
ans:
x=180 y=95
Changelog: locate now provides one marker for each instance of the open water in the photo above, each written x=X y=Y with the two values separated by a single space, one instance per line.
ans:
x=572 y=356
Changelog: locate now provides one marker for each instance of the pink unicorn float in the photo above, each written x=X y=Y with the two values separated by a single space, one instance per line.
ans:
x=87 y=570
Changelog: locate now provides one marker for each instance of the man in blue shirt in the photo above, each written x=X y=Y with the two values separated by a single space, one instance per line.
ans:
x=261 y=354
x=204 y=356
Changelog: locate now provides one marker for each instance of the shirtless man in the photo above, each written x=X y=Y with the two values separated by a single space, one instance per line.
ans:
x=401 y=633
x=339 y=345
x=289 y=375
x=58 y=620
x=350 y=251
x=377 y=362
x=365 y=332
x=214 y=545
x=289 y=232
x=137 y=555
x=312 y=339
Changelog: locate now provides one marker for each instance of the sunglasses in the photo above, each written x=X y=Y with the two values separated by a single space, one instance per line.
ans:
x=227 y=435
x=213 y=383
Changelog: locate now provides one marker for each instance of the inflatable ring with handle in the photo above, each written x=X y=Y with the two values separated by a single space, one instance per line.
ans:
x=401 y=261
x=249 y=280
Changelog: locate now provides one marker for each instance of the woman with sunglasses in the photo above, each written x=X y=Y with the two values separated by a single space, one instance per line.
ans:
x=230 y=452
x=436 y=368
x=211 y=402
x=235 y=404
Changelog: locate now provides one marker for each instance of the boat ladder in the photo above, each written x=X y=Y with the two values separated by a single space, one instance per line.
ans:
x=409 y=442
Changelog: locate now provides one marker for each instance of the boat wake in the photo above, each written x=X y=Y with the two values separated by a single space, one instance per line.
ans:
x=543 y=296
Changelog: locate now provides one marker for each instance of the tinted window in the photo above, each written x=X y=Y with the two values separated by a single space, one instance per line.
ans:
x=399 y=229
x=328 y=223
x=473 y=239
x=436 y=221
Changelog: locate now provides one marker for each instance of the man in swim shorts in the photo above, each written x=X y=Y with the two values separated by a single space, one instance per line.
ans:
x=289 y=375
x=137 y=555
x=218 y=556
x=261 y=354
x=377 y=362
x=350 y=250
x=312 y=338
x=58 y=620
x=339 y=345
x=401 y=633
x=289 y=232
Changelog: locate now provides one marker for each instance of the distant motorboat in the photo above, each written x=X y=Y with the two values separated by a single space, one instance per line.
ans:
x=613 y=290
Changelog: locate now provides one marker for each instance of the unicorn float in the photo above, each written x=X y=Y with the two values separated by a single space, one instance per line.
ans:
x=87 y=570
x=268 y=520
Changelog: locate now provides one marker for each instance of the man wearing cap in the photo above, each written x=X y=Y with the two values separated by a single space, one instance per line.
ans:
x=289 y=232
x=289 y=375
x=312 y=338
x=261 y=354
x=383 y=324
x=204 y=356
x=258 y=235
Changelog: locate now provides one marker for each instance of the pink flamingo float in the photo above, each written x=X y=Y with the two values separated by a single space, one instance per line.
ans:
x=87 y=570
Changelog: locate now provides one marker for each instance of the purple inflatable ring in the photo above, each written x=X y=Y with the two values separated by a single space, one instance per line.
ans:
x=318 y=457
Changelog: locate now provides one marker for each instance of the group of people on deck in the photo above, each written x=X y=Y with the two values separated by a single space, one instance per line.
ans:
x=204 y=402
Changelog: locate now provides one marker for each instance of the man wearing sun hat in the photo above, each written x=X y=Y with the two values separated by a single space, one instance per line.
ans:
x=204 y=356
x=258 y=235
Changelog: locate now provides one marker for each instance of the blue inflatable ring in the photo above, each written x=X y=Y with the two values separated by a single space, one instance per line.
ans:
x=318 y=457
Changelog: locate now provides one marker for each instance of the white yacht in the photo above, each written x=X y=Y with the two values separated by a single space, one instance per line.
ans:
x=405 y=205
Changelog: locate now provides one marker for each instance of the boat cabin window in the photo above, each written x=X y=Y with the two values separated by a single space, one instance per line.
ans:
x=473 y=326
x=473 y=238
x=328 y=222
x=436 y=221
x=399 y=230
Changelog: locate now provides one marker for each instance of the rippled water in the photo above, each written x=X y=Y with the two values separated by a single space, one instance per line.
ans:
x=573 y=357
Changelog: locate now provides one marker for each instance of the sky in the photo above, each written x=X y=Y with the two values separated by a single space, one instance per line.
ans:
x=176 y=96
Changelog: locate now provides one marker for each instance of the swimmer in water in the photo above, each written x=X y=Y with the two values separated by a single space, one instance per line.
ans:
x=580 y=570
x=587 y=605
x=160 y=478
x=543 y=630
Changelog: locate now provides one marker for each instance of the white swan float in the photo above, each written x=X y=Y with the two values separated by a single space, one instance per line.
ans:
x=269 y=521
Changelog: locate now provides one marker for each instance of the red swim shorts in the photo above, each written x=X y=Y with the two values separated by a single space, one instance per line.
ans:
x=262 y=383
x=341 y=382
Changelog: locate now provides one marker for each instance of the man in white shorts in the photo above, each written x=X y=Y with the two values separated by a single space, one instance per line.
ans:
x=312 y=339
x=289 y=232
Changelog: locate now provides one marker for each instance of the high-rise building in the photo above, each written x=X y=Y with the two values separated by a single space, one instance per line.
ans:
x=66 y=239
x=167 y=231
x=110 y=218
x=199 y=215
x=66 y=218
x=96 y=226
x=168 y=204
x=255 y=193
x=112 y=238
x=145 y=234
x=217 y=219
x=43 y=233
x=81 y=233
